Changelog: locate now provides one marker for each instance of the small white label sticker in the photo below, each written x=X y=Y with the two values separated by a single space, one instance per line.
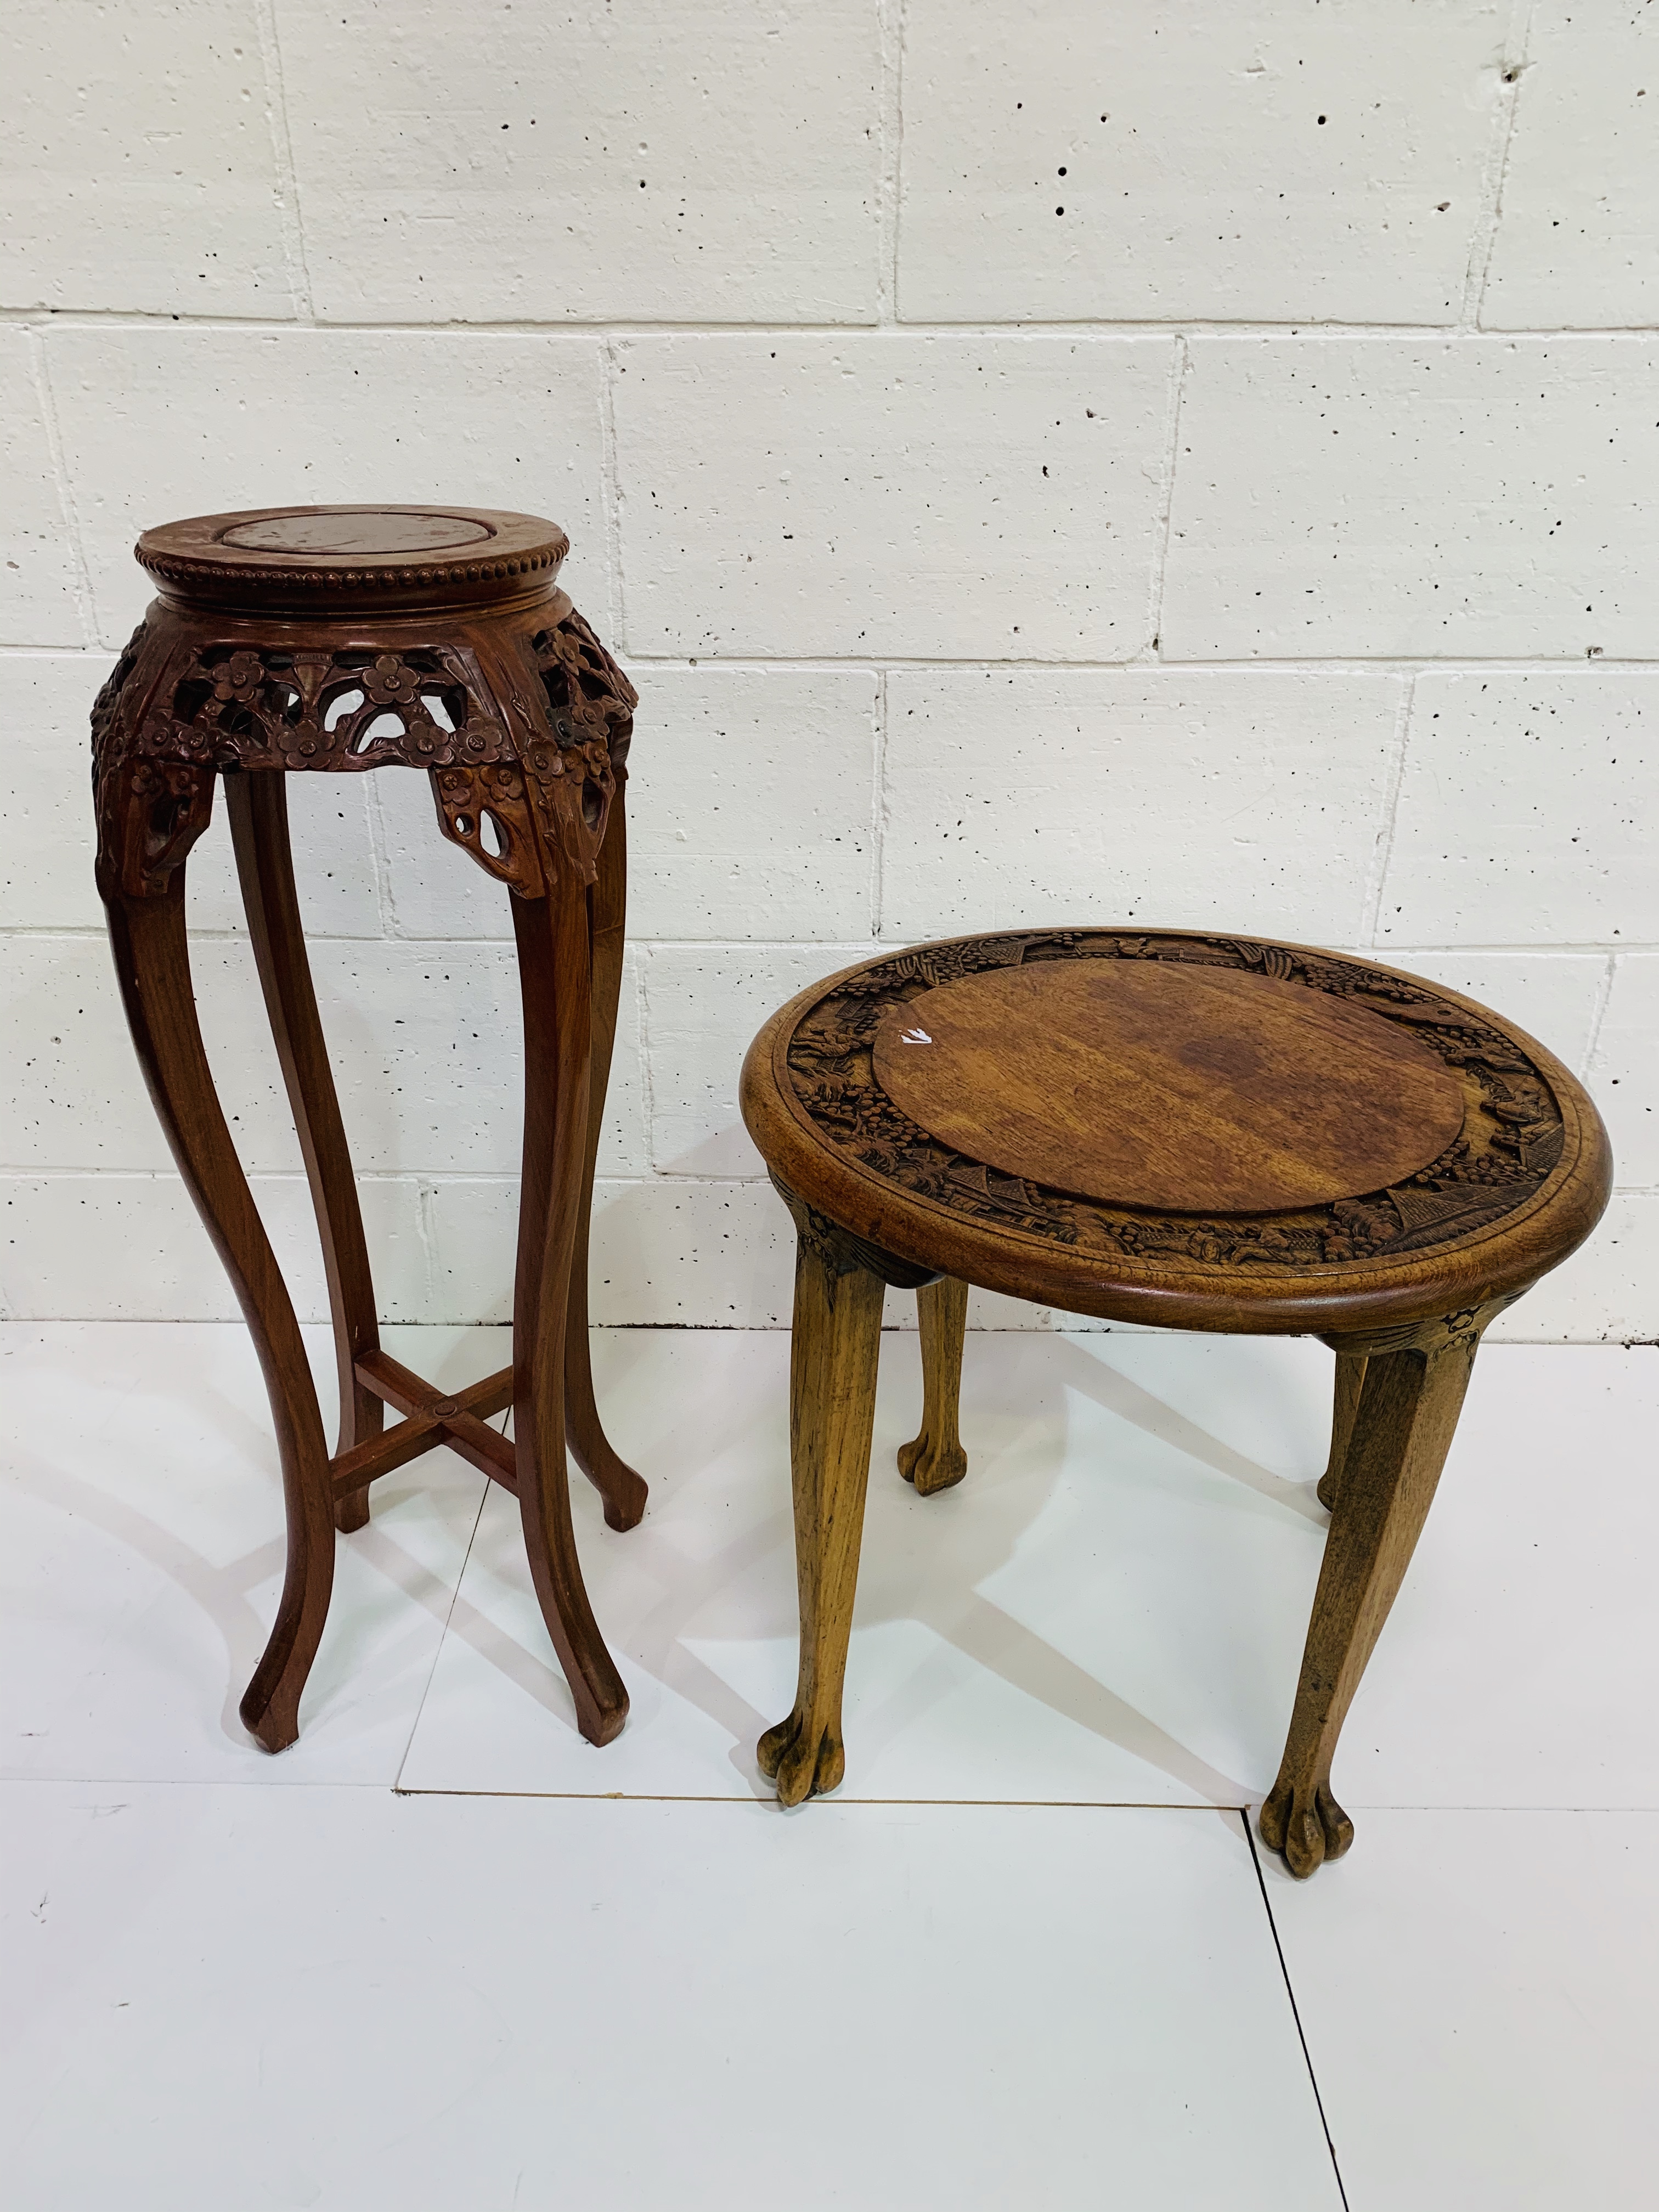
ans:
x=916 y=1036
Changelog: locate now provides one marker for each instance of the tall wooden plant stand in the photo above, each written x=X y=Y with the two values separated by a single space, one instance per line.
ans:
x=341 y=639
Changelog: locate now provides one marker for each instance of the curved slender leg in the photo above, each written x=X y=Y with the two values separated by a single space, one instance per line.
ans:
x=623 y=1492
x=1350 y=1375
x=554 y=978
x=934 y=1459
x=1413 y=1391
x=832 y=1402
x=257 y=806
x=152 y=962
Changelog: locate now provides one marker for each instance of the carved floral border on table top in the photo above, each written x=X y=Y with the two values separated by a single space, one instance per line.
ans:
x=1510 y=1141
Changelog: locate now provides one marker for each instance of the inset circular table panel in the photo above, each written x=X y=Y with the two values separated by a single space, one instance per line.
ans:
x=356 y=532
x=1173 y=1086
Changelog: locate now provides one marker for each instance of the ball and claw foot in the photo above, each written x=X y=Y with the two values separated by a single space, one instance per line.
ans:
x=803 y=1764
x=1304 y=1833
x=932 y=1467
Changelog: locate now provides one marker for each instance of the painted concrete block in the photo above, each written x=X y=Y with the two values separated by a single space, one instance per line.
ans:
x=1624 y=1074
x=131 y=1248
x=1553 y=996
x=432 y=888
x=1522 y=810
x=992 y=497
x=1575 y=241
x=140 y=169
x=752 y=803
x=160 y=422
x=703 y=1004
x=334 y=862
x=38 y=601
x=698 y=161
x=1066 y=162
x=1240 y=800
x=664 y=1255
x=45 y=790
x=1606 y=1293
x=1455 y=498
x=73 y=1094
x=425 y=1041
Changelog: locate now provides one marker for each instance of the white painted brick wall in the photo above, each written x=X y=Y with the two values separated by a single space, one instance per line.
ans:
x=1267 y=540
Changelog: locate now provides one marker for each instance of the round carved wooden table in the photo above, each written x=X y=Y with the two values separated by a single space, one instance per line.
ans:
x=1203 y=1132
x=341 y=639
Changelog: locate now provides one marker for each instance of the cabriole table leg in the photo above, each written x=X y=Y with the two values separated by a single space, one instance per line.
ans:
x=553 y=977
x=1350 y=1377
x=833 y=1349
x=625 y=1491
x=152 y=962
x=1414 y=1379
x=934 y=1459
x=256 y=804
x=835 y=1343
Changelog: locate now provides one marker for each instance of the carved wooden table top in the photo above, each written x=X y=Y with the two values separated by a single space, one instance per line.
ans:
x=1206 y=1131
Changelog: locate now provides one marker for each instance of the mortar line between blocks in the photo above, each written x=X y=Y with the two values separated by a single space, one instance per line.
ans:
x=1370 y=912
x=435 y=1178
x=648 y=1073
x=611 y=495
x=890 y=104
x=282 y=147
x=1296 y=2012
x=1598 y=1013
x=1358 y=664
x=426 y=1228
x=80 y=575
x=1300 y=328
x=834 y=948
x=1495 y=169
x=879 y=807
x=1179 y=362
x=380 y=860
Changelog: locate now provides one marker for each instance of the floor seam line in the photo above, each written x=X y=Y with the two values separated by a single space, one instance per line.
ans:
x=1296 y=2010
x=454 y=1599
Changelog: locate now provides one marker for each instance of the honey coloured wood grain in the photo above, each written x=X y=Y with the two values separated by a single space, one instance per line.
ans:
x=1187 y=1089
x=1160 y=1126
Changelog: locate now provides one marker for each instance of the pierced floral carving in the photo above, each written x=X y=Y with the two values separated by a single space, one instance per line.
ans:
x=474 y=802
x=1511 y=1138
x=524 y=770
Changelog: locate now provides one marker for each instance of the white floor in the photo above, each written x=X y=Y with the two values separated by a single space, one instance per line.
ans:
x=443 y=1955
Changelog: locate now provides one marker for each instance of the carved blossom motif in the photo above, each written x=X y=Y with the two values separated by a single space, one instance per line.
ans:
x=1511 y=1137
x=520 y=780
